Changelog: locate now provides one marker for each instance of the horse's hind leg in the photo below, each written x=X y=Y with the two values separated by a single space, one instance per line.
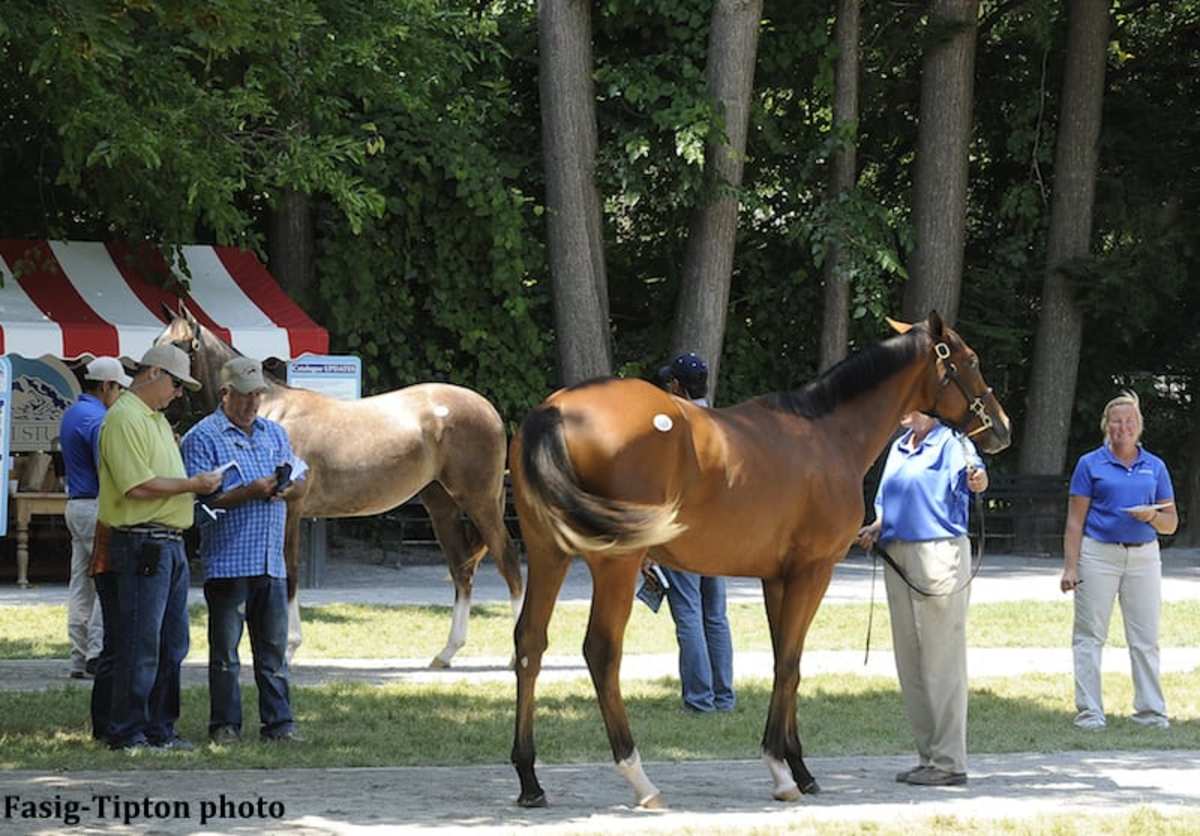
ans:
x=462 y=556
x=613 y=581
x=486 y=511
x=547 y=569
x=791 y=605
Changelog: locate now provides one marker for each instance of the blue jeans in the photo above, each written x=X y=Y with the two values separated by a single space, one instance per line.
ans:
x=106 y=590
x=150 y=642
x=705 y=644
x=261 y=604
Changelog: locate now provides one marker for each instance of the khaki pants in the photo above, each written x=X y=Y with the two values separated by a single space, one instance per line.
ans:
x=85 y=627
x=1109 y=571
x=930 y=640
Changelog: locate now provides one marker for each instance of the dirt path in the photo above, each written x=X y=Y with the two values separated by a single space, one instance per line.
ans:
x=705 y=797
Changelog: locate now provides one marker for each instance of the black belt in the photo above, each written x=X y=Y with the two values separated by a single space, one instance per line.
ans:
x=93 y=496
x=1135 y=545
x=158 y=532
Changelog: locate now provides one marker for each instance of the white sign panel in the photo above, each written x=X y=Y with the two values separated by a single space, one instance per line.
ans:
x=42 y=390
x=337 y=376
x=5 y=436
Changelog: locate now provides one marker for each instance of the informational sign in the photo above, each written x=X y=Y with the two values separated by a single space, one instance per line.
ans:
x=5 y=435
x=41 y=391
x=337 y=376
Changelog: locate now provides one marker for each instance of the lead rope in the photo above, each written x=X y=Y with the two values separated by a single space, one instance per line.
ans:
x=871 y=609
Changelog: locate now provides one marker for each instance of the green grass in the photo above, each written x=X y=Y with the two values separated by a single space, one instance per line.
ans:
x=452 y=724
x=374 y=631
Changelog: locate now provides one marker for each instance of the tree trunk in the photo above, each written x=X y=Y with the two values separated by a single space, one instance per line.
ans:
x=835 y=327
x=712 y=233
x=573 y=206
x=291 y=247
x=1060 y=324
x=940 y=180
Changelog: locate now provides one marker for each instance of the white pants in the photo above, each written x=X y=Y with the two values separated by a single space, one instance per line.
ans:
x=1133 y=574
x=85 y=628
x=929 y=636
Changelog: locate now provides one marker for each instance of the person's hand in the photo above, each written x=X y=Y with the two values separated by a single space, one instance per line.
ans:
x=977 y=479
x=263 y=488
x=1145 y=514
x=206 y=483
x=1070 y=579
x=867 y=535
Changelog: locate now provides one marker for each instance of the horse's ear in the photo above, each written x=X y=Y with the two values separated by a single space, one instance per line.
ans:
x=187 y=314
x=936 y=327
x=170 y=314
x=898 y=326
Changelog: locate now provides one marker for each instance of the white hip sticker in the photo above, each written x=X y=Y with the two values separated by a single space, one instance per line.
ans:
x=441 y=411
x=663 y=422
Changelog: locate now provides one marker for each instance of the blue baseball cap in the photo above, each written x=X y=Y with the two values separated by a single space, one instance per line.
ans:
x=691 y=372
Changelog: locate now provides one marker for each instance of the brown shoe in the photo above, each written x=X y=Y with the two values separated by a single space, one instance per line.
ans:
x=902 y=777
x=931 y=776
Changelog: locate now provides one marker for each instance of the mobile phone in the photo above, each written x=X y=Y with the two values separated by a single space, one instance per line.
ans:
x=283 y=477
x=148 y=557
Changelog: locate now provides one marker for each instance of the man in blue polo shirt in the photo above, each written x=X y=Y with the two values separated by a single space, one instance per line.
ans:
x=79 y=436
x=241 y=545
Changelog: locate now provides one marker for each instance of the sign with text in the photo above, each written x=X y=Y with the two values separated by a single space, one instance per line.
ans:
x=41 y=391
x=339 y=376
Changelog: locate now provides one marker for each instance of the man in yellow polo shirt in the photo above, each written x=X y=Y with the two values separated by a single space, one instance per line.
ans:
x=146 y=499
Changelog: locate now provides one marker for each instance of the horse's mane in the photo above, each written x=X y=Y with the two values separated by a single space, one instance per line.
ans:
x=852 y=376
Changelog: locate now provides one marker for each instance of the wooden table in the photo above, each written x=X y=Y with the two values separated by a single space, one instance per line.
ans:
x=27 y=506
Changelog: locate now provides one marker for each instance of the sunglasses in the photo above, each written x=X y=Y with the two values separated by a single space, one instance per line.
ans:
x=176 y=382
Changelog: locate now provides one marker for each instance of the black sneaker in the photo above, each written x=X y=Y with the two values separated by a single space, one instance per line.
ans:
x=224 y=736
x=174 y=744
x=92 y=665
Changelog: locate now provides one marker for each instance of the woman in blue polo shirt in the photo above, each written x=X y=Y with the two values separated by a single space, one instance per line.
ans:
x=921 y=517
x=1121 y=499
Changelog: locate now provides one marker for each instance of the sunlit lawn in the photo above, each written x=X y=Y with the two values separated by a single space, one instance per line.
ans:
x=471 y=723
x=378 y=631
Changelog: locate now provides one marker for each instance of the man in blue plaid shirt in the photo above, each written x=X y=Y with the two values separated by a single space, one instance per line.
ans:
x=241 y=545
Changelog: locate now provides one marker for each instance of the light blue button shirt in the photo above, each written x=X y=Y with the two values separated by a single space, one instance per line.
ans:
x=1111 y=486
x=923 y=493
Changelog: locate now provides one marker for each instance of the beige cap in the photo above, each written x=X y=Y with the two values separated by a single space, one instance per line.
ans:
x=172 y=360
x=243 y=374
x=105 y=369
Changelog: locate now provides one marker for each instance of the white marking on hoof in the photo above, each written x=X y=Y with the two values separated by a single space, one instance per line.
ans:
x=785 y=786
x=441 y=411
x=644 y=791
x=662 y=423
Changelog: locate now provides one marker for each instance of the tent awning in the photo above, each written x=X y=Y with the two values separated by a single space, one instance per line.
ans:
x=74 y=298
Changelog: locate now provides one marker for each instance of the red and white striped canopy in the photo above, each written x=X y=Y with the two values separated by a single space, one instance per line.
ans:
x=74 y=298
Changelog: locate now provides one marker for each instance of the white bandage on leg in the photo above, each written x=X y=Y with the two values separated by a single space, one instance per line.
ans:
x=646 y=793
x=781 y=774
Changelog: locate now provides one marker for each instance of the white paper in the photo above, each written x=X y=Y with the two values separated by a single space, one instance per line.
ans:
x=1157 y=506
x=299 y=468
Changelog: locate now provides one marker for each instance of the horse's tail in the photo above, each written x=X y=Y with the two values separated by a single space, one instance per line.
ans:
x=581 y=521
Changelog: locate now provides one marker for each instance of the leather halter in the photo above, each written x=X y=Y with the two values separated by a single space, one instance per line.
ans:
x=974 y=402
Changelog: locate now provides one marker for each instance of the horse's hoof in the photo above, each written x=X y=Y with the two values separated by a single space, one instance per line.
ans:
x=791 y=793
x=811 y=788
x=536 y=800
x=439 y=664
x=654 y=802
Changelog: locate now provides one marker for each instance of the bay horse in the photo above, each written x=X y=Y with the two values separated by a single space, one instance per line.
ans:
x=442 y=442
x=770 y=488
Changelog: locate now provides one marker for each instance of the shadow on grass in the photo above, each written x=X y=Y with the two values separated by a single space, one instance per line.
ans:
x=364 y=613
x=351 y=724
x=34 y=649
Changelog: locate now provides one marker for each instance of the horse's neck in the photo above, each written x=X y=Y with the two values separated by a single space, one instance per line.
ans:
x=866 y=423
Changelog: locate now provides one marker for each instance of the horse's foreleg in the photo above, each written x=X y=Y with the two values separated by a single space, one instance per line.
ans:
x=291 y=556
x=801 y=595
x=547 y=569
x=613 y=581
x=444 y=514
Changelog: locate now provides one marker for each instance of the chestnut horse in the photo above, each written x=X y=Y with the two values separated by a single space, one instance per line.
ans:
x=770 y=488
x=441 y=442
